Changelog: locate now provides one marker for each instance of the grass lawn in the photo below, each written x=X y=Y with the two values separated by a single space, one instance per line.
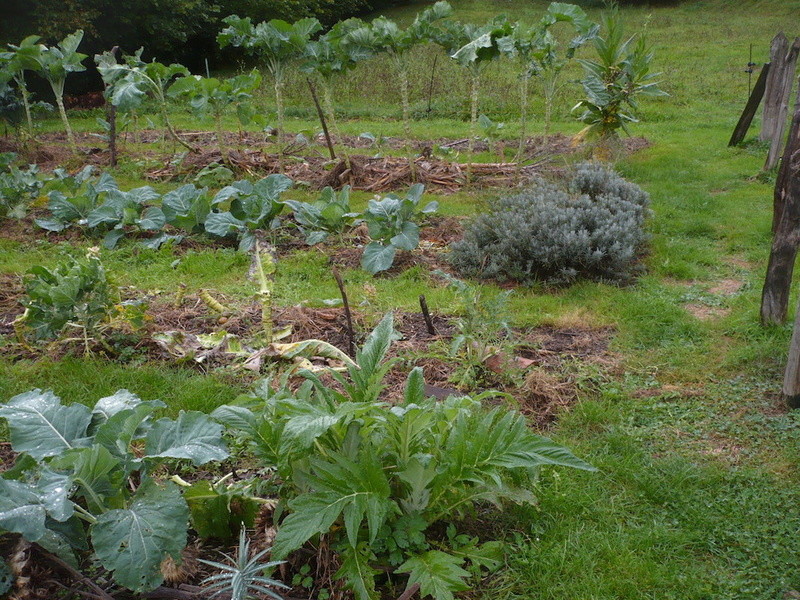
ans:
x=697 y=491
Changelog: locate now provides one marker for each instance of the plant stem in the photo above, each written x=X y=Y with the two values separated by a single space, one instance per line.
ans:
x=327 y=95
x=173 y=134
x=473 y=124
x=220 y=136
x=26 y=102
x=403 y=72
x=264 y=292
x=523 y=84
x=62 y=111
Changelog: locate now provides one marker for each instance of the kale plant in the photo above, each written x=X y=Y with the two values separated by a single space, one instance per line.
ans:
x=330 y=214
x=72 y=487
x=391 y=226
x=18 y=187
x=592 y=226
x=75 y=293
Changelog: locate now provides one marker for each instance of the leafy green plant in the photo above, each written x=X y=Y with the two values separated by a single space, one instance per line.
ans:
x=54 y=63
x=615 y=80
x=391 y=226
x=121 y=211
x=536 y=50
x=133 y=80
x=385 y=36
x=276 y=43
x=187 y=208
x=482 y=325
x=212 y=95
x=73 y=197
x=252 y=207
x=329 y=215
x=24 y=57
x=373 y=478
x=18 y=188
x=75 y=293
x=70 y=489
x=491 y=131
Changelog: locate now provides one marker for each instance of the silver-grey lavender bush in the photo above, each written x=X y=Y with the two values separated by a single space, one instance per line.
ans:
x=591 y=227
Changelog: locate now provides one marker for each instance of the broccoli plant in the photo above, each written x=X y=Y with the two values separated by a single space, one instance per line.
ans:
x=373 y=477
x=54 y=63
x=131 y=81
x=75 y=294
x=391 y=226
x=212 y=95
x=329 y=215
x=24 y=57
x=384 y=35
x=252 y=207
x=536 y=50
x=18 y=188
x=276 y=43
x=72 y=490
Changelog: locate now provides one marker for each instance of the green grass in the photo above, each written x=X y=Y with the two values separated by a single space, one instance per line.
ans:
x=696 y=497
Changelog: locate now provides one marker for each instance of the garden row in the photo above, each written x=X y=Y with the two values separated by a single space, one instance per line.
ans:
x=618 y=75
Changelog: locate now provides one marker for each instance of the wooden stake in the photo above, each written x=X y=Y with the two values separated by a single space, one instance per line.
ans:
x=750 y=109
x=423 y=304
x=778 y=102
x=321 y=119
x=351 y=336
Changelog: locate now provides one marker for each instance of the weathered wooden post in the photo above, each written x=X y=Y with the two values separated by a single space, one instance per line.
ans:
x=791 y=378
x=786 y=228
x=776 y=103
x=750 y=109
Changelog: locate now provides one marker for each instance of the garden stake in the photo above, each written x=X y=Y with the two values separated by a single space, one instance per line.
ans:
x=430 y=88
x=423 y=304
x=321 y=119
x=351 y=336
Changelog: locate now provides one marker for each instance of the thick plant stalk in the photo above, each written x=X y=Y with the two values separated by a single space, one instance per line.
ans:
x=213 y=303
x=473 y=124
x=403 y=72
x=327 y=96
x=523 y=106
x=174 y=134
x=26 y=100
x=220 y=139
x=265 y=269
x=62 y=111
x=279 y=103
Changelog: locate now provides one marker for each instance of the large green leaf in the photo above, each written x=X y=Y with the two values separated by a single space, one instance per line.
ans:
x=24 y=507
x=359 y=576
x=193 y=435
x=438 y=574
x=133 y=542
x=377 y=257
x=99 y=475
x=41 y=426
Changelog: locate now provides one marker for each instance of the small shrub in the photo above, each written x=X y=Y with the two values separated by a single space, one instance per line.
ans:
x=592 y=227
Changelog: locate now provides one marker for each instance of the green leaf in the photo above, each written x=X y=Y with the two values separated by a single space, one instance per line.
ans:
x=377 y=257
x=99 y=476
x=223 y=224
x=42 y=427
x=218 y=514
x=408 y=238
x=438 y=574
x=359 y=576
x=193 y=435
x=133 y=542
x=24 y=507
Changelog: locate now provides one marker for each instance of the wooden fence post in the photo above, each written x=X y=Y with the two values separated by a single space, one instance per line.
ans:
x=750 y=108
x=791 y=378
x=786 y=223
x=777 y=101
x=777 y=52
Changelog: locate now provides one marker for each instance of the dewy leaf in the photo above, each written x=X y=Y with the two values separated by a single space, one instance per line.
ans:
x=192 y=435
x=42 y=427
x=98 y=475
x=377 y=257
x=24 y=507
x=107 y=407
x=133 y=542
x=438 y=574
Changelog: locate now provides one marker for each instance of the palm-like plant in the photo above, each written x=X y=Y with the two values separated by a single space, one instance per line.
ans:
x=131 y=81
x=385 y=36
x=244 y=575
x=614 y=81
x=54 y=63
x=276 y=42
x=22 y=58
